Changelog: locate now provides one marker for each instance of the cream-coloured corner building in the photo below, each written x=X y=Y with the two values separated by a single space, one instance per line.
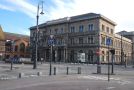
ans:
x=81 y=38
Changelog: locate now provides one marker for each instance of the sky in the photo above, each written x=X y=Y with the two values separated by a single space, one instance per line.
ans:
x=17 y=16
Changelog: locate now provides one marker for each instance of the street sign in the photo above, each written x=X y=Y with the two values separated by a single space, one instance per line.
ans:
x=51 y=40
x=108 y=41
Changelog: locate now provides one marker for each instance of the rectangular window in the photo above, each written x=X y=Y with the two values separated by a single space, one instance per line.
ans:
x=61 y=30
x=56 y=31
x=72 y=29
x=90 y=40
x=81 y=28
x=103 y=40
x=90 y=27
x=111 y=31
x=72 y=40
x=103 y=28
x=81 y=40
x=107 y=29
x=50 y=31
x=60 y=41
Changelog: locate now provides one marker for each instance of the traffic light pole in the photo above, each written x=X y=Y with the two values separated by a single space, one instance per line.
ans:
x=113 y=55
x=108 y=65
x=11 y=64
x=98 y=66
x=112 y=71
x=50 y=71
x=98 y=62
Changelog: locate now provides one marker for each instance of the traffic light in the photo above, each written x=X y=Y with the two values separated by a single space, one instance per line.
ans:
x=112 y=51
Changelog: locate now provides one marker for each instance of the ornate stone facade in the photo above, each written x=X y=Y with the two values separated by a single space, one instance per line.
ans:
x=83 y=35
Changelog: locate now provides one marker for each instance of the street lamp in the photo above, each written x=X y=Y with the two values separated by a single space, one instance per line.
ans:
x=121 y=51
x=11 y=50
x=37 y=31
x=10 y=45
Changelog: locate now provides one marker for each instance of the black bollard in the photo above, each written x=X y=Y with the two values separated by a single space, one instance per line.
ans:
x=39 y=73
x=79 y=70
x=21 y=75
x=11 y=65
x=67 y=70
x=54 y=70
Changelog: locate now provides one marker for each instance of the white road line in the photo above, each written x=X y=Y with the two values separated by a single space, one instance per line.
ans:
x=108 y=88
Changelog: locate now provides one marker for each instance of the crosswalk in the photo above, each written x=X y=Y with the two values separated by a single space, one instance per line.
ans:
x=120 y=81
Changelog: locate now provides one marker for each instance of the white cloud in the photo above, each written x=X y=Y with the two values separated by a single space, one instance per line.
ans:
x=6 y=8
x=25 y=7
x=119 y=11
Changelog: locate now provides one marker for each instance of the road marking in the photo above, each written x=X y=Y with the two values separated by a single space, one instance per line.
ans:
x=119 y=80
x=108 y=88
x=124 y=82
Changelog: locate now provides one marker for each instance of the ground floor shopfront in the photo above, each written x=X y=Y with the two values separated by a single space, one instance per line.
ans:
x=74 y=55
x=85 y=55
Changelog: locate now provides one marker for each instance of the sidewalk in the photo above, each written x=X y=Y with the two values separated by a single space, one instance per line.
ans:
x=61 y=69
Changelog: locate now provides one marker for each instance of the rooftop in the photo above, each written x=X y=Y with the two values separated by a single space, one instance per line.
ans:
x=126 y=33
x=14 y=36
x=74 y=19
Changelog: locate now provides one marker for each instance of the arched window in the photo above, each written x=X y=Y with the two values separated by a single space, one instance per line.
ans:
x=22 y=47
x=16 y=48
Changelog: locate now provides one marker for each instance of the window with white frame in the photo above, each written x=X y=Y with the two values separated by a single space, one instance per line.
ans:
x=107 y=29
x=61 y=30
x=72 y=29
x=81 y=28
x=90 y=39
x=80 y=40
x=90 y=27
x=103 y=27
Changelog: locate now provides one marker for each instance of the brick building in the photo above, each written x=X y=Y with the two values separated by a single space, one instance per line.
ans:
x=13 y=45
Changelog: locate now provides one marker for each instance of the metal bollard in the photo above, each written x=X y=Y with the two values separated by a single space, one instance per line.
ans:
x=98 y=69
x=39 y=73
x=67 y=70
x=11 y=65
x=79 y=70
x=21 y=75
x=54 y=70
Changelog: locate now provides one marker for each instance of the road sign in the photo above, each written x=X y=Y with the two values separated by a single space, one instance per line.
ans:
x=51 y=40
x=108 y=41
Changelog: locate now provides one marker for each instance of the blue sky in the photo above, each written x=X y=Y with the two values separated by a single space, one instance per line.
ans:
x=18 y=15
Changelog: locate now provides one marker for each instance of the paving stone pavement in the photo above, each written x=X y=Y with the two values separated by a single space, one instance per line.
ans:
x=61 y=69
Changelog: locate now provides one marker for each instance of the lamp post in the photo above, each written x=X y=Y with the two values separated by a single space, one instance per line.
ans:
x=125 y=57
x=121 y=51
x=37 y=32
x=10 y=45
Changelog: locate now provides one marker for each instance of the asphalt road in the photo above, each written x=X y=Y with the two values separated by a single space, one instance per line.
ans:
x=70 y=82
x=122 y=80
